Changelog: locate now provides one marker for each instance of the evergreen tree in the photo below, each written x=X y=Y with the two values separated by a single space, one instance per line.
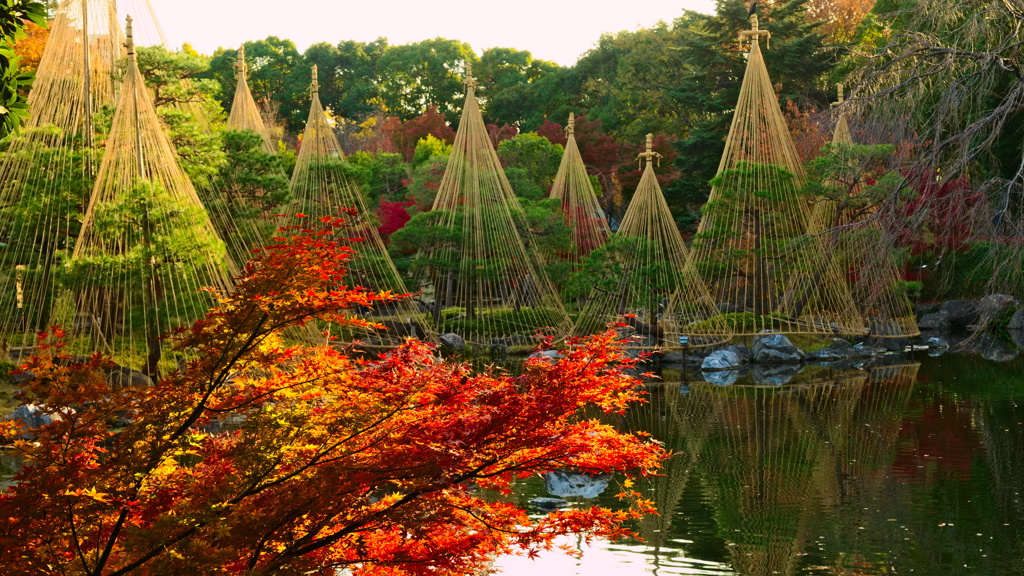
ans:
x=710 y=52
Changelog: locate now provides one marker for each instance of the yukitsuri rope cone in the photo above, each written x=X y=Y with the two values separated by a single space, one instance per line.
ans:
x=582 y=211
x=46 y=172
x=751 y=247
x=243 y=204
x=482 y=269
x=321 y=187
x=644 y=278
x=761 y=454
x=864 y=250
x=147 y=248
x=245 y=115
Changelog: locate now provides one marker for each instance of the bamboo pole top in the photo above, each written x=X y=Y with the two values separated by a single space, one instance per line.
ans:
x=755 y=33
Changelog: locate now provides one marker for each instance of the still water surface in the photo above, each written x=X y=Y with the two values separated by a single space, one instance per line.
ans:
x=915 y=468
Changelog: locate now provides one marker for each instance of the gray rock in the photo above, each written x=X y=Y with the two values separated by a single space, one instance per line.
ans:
x=722 y=377
x=550 y=354
x=721 y=360
x=121 y=377
x=1017 y=321
x=452 y=342
x=889 y=344
x=1018 y=337
x=996 y=307
x=564 y=484
x=996 y=349
x=776 y=349
x=743 y=352
x=934 y=321
x=925 y=308
x=774 y=374
x=32 y=416
x=936 y=343
x=839 y=348
x=549 y=504
x=865 y=350
x=961 y=313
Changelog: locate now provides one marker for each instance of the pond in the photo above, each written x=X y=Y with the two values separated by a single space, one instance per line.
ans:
x=912 y=468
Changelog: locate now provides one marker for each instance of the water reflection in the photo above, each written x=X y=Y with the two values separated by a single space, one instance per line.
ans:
x=901 y=469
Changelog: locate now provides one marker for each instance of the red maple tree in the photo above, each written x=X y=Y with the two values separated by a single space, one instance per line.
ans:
x=376 y=466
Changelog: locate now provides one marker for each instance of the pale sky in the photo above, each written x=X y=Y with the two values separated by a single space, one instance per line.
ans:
x=554 y=30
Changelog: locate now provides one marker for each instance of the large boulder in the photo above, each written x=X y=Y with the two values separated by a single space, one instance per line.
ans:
x=452 y=342
x=838 y=349
x=1016 y=321
x=565 y=484
x=992 y=347
x=722 y=377
x=961 y=313
x=32 y=416
x=996 y=309
x=776 y=349
x=121 y=377
x=775 y=374
x=938 y=321
x=725 y=359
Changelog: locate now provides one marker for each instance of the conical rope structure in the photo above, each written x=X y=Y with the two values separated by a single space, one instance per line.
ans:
x=245 y=115
x=482 y=266
x=46 y=171
x=243 y=202
x=751 y=246
x=582 y=211
x=644 y=278
x=758 y=464
x=147 y=250
x=322 y=187
x=863 y=248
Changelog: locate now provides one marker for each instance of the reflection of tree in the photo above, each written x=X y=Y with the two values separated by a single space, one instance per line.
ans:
x=681 y=422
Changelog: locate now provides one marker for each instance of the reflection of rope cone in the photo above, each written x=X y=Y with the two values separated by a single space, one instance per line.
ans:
x=681 y=422
x=851 y=474
x=759 y=467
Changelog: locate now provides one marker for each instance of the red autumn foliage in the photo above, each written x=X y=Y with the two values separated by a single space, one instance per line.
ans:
x=377 y=467
x=600 y=152
x=631 y=169
x=498 y=134
x=940 y=213
x=408 y=133
x=392 y=216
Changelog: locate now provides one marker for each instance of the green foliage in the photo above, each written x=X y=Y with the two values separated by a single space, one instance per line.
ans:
x=615 y=269
x=250 y=185
x=713 y=70
x=14 y=84
x=535 y=155
x=522 y=184
x=430 y=147
x=187 y=105
x=501 y=322
x=508 y=84
x=416 y=75
x=277 y=72
x=380 y=175
x=426 y=179
x=550 y=235
x=164 y=239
